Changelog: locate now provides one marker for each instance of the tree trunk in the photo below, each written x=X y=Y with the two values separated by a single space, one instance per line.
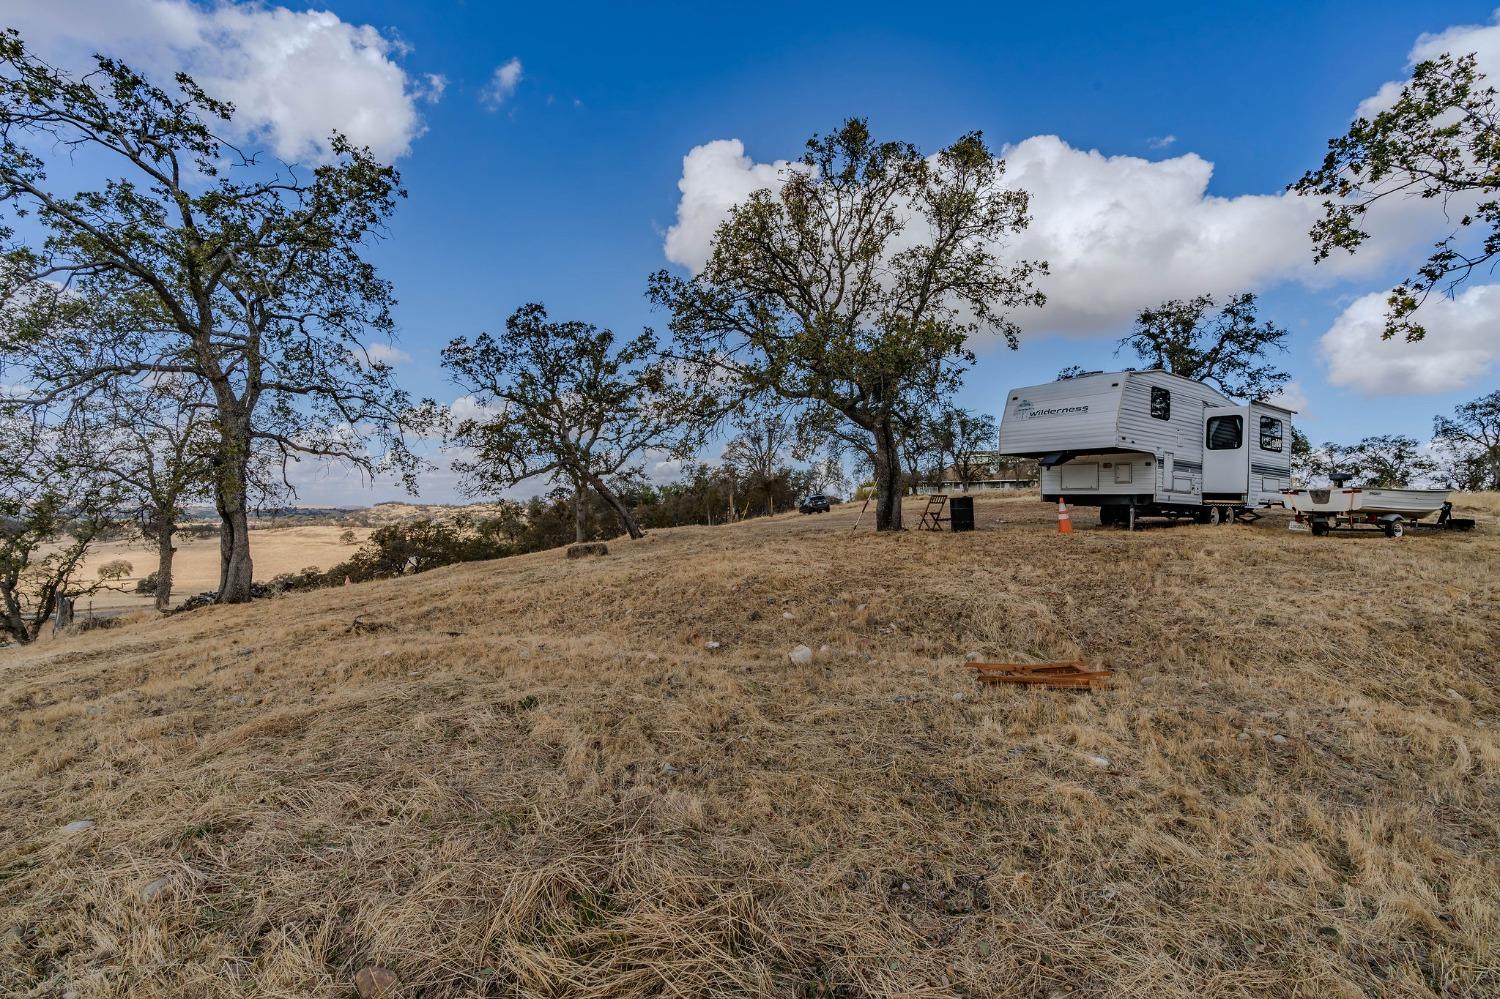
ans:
x=887 y=478
x=236 y=571
x=15 y=620
x=165 y=529
x=580 y=498
x=626 y=520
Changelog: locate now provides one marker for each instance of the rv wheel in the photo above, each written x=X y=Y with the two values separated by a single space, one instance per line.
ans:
x=1393 y=529
x=1320 y=527
x=1226 y=515
x=1213 y=515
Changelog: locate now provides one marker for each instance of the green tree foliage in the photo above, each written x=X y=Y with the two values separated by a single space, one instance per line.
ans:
x=1439 y=140
x=1470 y=441
x=565 y=404
x=1388 y=461
x=156 y=440
x=1224 y=345
x=856 y=287
x=200 y=261
x=53 y=508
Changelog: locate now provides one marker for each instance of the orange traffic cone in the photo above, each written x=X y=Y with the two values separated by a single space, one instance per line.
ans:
x=1064 y=522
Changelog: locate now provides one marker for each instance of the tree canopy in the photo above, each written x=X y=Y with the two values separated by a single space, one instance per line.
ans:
x=1440 y=140
x=857 y=285
x=561 y=401
x=1470 y=439
x=197 y=260
x=1226 y=348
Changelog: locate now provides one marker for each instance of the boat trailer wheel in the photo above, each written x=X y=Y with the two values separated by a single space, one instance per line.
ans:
x=1393 y=528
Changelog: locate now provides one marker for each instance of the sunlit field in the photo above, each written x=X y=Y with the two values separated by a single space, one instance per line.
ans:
x=550 y=777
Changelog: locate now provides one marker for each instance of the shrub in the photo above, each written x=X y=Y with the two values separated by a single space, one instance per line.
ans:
x=115 y=570
x=146 y=584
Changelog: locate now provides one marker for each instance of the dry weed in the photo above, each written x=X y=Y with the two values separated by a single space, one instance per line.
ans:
x=1289 y=789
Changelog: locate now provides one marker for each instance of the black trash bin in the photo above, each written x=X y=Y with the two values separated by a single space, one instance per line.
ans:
x=961 y=513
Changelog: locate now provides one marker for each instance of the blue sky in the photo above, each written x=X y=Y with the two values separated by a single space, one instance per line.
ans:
x=562 y=188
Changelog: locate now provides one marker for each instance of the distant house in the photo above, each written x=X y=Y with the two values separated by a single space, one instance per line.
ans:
x=989 y=471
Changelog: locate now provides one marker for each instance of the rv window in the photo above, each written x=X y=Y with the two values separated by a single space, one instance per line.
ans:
x=1161 y=404
x=1224 y=433
x=1270 y=433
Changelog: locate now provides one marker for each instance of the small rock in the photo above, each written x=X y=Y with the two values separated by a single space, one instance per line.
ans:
x=861 y=608
x=1243 y=735
x=93 y=710
x=960 y=696
x=824 y=650
x=669 y=771
x=972 y=657
x=78 y=826
x=1279 y=739
x=238 y=700
x=1146 y=681
x=801 y=655
x=375 y=982
x=1099 y=761
x=1454 y=695
x=787 y=615
x=710 y=645
x=155 y=888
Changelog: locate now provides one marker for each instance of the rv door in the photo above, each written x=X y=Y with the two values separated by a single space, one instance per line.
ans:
x=1226 y=461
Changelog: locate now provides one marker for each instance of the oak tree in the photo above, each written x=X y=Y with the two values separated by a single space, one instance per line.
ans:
x=1439 y=140
x=197 y=259
x=1223 y=345
x=1470 y=439
x=857 y=285
x=563 y=402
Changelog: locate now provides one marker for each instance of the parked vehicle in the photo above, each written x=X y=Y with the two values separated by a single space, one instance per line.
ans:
x=1150 y=443
x=1346 y=506
x=814 y=504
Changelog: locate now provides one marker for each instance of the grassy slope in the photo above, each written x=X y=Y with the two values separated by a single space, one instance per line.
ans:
x=534 y=778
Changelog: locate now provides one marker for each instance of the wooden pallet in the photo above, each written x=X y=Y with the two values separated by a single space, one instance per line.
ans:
x=1075 y=673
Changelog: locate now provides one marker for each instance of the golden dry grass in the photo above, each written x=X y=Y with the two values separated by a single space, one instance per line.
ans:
x=196 y=567
x=534 y=778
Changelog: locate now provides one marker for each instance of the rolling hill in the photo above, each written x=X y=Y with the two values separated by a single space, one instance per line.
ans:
x=607 y=778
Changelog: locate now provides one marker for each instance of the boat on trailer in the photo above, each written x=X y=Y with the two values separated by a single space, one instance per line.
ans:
x=1344 y=506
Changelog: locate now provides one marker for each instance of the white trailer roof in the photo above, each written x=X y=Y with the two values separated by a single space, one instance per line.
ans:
x=1083 y=414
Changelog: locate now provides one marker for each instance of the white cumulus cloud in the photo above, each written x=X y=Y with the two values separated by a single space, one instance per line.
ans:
x=503 y=83
x=293 y=76
x=1293 y=396
x=387 y=354
x=1483 y=40
x=1120 y=233
x=1462 y=346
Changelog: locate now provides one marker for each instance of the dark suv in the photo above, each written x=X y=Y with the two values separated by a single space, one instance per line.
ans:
x=813 y=504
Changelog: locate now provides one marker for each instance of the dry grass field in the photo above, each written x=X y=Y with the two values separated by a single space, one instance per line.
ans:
x=196 y=567
x=540 y=777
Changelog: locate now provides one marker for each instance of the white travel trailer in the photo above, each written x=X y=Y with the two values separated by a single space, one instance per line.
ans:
x=1150 y=443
